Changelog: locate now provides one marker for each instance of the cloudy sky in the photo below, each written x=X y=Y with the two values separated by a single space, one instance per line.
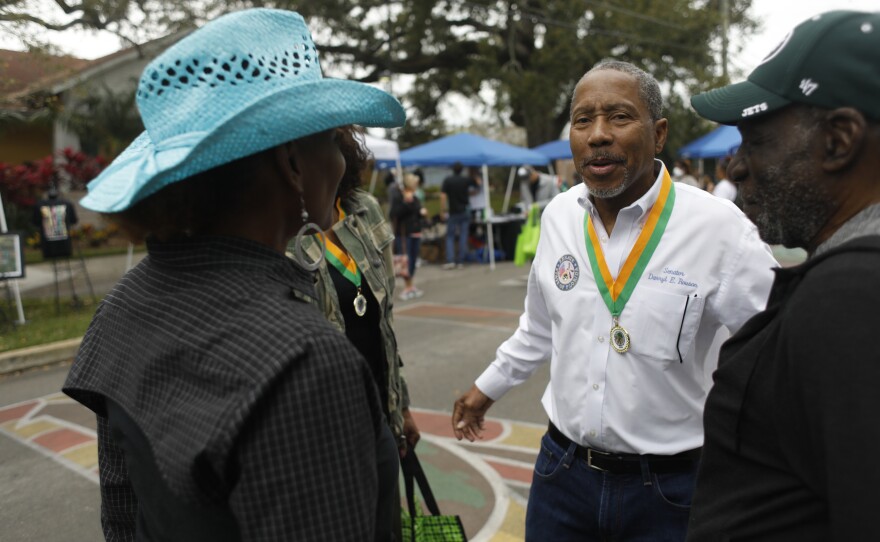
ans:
x=779 y=16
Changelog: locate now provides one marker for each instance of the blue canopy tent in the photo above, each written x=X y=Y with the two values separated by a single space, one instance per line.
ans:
x=472 y=150
x=720 y=142
x=555 y=150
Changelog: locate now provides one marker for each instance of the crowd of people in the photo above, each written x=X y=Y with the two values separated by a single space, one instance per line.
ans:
x=246 y=376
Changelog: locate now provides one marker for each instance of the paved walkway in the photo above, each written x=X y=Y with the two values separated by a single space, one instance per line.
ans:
x=483 y=482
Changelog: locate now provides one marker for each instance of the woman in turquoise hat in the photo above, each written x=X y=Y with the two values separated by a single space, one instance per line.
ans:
x=227 y=407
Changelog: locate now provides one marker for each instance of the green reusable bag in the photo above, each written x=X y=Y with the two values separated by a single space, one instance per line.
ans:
x=527 y=241
x=416 y=526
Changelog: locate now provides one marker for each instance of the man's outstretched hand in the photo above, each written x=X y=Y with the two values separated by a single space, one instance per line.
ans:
x=469 y=413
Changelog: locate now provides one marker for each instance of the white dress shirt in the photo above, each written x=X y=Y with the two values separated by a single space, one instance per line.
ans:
x=725 y=189
x=710 y=271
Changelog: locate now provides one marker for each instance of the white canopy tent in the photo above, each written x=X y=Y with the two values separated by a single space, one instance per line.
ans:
x=387 y=155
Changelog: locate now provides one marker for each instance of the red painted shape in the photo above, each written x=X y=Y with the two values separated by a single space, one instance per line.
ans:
x=440 y=424
x=510 y=472
x=16 y=412
x=62 y=439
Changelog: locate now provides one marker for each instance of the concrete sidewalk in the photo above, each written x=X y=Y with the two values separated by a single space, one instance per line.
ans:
x=485 y=483
x=467 y=480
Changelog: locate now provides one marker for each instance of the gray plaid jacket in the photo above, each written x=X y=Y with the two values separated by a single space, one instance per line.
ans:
x=213 y=351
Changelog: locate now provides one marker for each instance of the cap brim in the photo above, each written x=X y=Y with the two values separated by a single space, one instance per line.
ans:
x=737 y=102
x=291 y=113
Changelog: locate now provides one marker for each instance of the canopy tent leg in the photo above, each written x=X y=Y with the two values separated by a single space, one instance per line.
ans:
x=508 y=191
x=488 y=218
x=373 y=181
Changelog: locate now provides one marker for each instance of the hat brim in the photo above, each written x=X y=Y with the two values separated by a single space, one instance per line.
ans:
x=737 y=102
x=292 y=112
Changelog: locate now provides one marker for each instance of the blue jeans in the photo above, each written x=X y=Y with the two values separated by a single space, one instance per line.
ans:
x=412 y=253
x=457 y=223
x=571 y=501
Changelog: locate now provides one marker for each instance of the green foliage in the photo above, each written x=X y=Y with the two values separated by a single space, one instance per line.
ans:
x=44 y=323
x=531 y=53
x=105 y=120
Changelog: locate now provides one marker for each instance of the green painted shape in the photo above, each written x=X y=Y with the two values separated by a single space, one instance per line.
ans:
x=452 y=486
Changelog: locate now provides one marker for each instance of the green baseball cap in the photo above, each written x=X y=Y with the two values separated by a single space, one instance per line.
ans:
x=830 y=60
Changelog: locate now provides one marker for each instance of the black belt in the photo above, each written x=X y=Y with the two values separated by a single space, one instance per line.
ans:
x=617 y=463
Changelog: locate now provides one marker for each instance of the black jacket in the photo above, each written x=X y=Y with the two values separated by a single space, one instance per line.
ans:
x=791 y=424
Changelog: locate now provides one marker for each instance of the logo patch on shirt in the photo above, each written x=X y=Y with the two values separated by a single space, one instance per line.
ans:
x=567 y=273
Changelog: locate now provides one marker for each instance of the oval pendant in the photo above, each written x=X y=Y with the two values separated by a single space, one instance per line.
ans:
x=619 y=339
x=360 y=304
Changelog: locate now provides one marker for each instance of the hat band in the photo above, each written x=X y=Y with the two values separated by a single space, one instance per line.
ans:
x=155 y=160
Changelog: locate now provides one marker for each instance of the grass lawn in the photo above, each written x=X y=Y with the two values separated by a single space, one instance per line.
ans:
x=35 y=255
x=44 y=325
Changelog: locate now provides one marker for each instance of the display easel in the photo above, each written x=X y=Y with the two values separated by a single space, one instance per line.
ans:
x=11 y=284
x=76 y=301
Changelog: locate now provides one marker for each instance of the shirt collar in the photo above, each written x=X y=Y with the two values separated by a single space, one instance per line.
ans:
x=219 y=252
x=866 y=222
x=640 y=207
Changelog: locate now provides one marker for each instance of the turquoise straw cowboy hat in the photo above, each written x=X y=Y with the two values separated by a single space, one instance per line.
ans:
x=243 y=83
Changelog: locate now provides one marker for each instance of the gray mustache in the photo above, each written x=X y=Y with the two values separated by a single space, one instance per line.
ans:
x=602 y=156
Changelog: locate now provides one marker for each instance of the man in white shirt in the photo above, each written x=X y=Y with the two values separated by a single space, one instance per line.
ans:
x=633 y=278
x=724 y=188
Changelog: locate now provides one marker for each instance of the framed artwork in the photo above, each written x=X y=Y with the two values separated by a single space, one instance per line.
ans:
x=11 y=256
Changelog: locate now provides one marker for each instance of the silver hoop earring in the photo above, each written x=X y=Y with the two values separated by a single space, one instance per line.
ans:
x=299 y=255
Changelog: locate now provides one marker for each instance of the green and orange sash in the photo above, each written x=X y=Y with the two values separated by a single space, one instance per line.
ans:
x=346 y=265
x=617 y=291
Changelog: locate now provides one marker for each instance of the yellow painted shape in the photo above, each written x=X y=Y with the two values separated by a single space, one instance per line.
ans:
x=85 y=456
x=528 y=437
x=513 y=528
x=30 y=429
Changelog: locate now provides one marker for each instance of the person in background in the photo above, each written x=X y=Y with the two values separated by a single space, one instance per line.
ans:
x=477 y=198
x=723 y=187
x=454 y=198
x=633 y=278
x=392 y=188
x=228 y=408
x=791 y=421
x=420 y=191
x=408 y=215
x=681 y=173
x=355 y=287
x=535 y=188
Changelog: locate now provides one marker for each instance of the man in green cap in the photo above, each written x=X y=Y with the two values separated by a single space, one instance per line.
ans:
x=790 y=424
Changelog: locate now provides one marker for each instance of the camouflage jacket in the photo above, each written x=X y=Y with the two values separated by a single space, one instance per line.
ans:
x=367 y=237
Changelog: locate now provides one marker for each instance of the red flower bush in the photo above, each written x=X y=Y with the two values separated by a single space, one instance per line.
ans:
x=22 y=185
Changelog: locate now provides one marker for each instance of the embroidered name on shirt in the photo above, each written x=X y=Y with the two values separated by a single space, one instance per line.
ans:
x=672 y=276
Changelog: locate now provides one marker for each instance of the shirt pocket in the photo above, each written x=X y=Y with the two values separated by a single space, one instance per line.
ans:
x=666 y=325
x=381 y=235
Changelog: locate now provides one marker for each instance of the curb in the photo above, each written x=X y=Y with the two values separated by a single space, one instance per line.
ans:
x=38 y=356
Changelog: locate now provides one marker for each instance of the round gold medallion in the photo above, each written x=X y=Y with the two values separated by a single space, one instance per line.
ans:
x=619 y=339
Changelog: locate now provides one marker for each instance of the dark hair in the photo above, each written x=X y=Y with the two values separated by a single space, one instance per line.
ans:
x=457 y=167
x=357 y=156
x=192 y=206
